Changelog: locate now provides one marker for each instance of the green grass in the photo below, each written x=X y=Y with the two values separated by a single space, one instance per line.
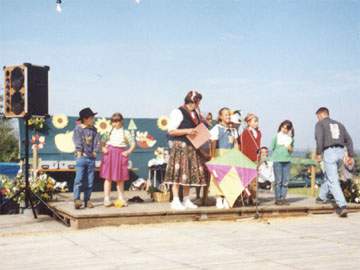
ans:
x=303 y=191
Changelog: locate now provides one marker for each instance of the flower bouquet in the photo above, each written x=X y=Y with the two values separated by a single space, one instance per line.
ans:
x=37 y=123
x=43 y=186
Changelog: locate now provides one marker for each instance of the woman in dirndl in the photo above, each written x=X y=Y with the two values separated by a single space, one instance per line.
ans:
x=115 y=161
x=185 y=167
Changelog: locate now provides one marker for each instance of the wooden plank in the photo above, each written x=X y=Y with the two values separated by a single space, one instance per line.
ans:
x=73 y=170
x=151 y=212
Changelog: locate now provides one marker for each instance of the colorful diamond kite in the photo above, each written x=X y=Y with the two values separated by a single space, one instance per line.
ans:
x=233 y=172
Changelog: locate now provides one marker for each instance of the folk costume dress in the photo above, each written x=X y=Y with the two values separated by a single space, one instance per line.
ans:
x=114 y=165
x=184 y=166
x=225 y=140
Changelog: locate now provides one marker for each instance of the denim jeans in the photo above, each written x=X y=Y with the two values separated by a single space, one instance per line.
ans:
x=84 y=179
x=332 y=158
x=282 y=175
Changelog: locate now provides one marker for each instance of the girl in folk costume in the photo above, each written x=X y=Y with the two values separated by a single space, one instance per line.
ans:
x=249 y=144
x=184 y=166
x=203 y=151
x=223 y=138
x=114 y=165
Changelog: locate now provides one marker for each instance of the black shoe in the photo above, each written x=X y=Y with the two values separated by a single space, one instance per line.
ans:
x=342 y=212
x=279 y=202
x=285 y=202
x=136 y=199
x=320 y=201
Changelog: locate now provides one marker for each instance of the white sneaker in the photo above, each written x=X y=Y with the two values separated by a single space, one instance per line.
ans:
x=107 y=203
x=219 y=203
x=189 y=204
x=177 y=205
x=226 y=204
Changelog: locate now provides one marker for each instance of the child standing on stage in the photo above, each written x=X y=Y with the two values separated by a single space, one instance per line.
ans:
x=87 y=144
x=223 y=138
x=266 y=176
x=249 y=145
x=282 y=147
x=114 y=165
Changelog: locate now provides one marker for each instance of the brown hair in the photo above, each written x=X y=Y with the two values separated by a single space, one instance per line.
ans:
x=193 y=97
x=250 y=116
x=289 y=125
x=221 y=111
x=117 y=116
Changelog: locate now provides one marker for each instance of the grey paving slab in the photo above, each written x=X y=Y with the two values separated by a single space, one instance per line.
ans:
x=313 y=242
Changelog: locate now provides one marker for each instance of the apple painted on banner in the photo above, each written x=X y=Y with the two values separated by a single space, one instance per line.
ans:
x=64 y=142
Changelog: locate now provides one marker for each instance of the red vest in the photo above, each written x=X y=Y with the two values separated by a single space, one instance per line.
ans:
x=249 y=145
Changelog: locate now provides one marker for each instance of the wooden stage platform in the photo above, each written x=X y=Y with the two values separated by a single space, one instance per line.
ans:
x=152 y=212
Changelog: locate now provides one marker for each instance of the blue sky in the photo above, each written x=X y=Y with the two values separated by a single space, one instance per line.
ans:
x=280 y=59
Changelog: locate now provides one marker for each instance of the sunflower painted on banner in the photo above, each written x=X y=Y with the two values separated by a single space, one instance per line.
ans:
x=233 y=172
x=103 y=125
x=60 y=121
x=163 y=123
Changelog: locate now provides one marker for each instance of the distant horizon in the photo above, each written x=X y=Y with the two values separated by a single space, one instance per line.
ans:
x=278 y=59
x=297 y=151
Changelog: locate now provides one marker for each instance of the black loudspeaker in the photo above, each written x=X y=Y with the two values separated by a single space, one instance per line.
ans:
x=26 y=90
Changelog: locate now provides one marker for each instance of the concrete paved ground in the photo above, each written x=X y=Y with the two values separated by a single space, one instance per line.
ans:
x=313 y=242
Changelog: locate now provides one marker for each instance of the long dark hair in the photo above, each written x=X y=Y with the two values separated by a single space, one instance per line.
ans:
x=289 y=125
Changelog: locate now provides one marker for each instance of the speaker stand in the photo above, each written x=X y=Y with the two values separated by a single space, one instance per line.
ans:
x=29 y=195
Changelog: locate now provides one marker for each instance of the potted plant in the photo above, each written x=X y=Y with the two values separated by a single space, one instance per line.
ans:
x=42 y=185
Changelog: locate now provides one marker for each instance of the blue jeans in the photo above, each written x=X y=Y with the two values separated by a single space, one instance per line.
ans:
x=84 y=179
x=332 y=158
x=282 y=175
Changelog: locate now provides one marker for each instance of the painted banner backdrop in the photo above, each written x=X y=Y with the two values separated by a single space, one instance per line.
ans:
x=149 y=133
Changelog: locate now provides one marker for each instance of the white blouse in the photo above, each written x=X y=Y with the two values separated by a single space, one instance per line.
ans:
x=215 y=132
x=120 y=138
x=175 y=119
x=284 y=139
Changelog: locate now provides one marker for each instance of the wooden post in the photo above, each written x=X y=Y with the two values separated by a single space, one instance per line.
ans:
x=35 y=161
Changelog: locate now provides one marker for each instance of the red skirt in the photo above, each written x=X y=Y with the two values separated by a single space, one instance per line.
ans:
x=114 y=165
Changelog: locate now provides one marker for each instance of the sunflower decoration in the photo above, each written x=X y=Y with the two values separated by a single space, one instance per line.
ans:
x=163 y=123
x=37 y=123
x=60 y=121
x=103 y=126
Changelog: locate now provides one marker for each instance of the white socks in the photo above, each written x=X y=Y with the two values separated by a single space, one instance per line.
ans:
x=221 y=203
x=107 y=201
x=226 y=204
x=121 y=196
